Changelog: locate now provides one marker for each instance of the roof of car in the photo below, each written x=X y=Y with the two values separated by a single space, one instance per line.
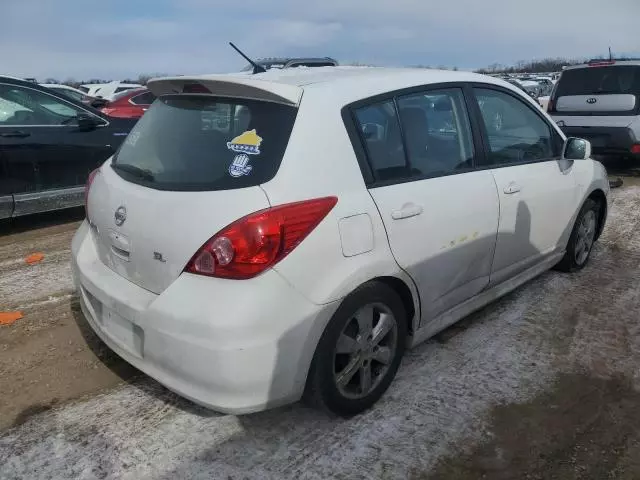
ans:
x=16 y=80
x=605 y=63
x=354 y=82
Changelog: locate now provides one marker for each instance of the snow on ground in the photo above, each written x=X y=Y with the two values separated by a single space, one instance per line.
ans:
x=507 y=352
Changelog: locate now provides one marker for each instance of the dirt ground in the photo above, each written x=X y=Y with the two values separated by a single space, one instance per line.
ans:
x=543 y=384
x=50 y=356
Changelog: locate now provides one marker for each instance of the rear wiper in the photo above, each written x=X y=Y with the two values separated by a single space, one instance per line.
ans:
x=133 y=170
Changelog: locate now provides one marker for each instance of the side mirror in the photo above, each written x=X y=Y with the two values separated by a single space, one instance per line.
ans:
x=576 y=149
x=86 y=122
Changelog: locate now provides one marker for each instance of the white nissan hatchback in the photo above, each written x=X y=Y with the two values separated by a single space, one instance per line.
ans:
x=260 y=238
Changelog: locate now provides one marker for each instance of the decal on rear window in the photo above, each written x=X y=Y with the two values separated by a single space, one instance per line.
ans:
x=247 y=142
x=240 y=166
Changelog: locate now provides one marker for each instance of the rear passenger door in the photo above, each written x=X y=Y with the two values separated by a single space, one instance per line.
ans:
x=441 y=216
x=537 y=189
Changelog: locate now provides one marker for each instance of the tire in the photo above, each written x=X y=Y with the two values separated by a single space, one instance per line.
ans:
x=346 y=351
x=576 y=257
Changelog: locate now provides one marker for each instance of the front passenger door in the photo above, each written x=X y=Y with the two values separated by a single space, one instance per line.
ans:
x=537 y=188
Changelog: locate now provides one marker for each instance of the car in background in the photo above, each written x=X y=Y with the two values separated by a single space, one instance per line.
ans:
x=108 y=90
x=70 y=92
x=293 y=62
x=48 y=145
x=298 y=247
x=546 y=85
x=129 y=104
x=600 y=101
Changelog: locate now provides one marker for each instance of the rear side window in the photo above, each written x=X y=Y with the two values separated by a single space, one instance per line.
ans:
x=623 y=79
x=428 y=135
x=380 y=129
x=437 y=132
x=194 y=142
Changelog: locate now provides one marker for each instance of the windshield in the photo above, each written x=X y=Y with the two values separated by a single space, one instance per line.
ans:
x=189 y=142
x=600 y=80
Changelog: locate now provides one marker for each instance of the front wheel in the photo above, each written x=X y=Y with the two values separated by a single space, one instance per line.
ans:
x=359 y=352
x=582 y=238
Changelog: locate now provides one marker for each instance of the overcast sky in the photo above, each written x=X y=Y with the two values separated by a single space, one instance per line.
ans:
x=116 y=38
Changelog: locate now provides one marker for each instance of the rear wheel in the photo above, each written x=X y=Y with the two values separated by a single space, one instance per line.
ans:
x=582 y=238
x=359 y=352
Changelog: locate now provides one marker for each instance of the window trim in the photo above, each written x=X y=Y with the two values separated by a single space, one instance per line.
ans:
x=103 y=120
x=557 y=138
x=359 y=144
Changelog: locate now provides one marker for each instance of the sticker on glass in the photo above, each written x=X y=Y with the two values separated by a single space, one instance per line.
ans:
x=247 y=142
x=240 y=166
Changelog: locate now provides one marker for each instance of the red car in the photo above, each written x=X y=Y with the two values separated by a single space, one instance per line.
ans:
x=129 y=104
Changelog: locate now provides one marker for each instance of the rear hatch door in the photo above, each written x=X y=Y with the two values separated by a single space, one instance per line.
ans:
x=598 y=90
x=191 y=166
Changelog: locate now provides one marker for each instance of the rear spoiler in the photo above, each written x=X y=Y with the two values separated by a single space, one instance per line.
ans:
x=245 y=87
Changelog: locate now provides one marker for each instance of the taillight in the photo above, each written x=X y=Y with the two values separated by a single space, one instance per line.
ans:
x=254 y=243
x=635 y=149
x=87 y=187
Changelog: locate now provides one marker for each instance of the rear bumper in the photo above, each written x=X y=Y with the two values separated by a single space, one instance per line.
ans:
x=233 y=346
x=605 y=140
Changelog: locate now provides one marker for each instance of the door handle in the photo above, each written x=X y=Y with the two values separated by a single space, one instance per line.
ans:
x=512 y=188
x=408 y=210
x=15 y=134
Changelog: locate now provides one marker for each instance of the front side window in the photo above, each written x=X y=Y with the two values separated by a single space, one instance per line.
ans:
x=437 y=132
x=515 y=132
x=28 y=107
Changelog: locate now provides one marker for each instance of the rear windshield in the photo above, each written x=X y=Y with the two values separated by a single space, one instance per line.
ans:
x=191 y=142
x=600 y=81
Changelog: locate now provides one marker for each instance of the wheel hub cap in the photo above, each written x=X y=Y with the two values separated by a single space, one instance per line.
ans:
x=365 y=349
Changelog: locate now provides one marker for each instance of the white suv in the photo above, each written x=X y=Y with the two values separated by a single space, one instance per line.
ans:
x=600 y=101
x=334 y=217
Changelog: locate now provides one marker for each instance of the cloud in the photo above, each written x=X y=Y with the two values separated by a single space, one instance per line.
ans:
x=117 y=39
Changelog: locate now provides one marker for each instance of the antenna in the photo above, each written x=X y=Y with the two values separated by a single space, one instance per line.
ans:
x=256 y=68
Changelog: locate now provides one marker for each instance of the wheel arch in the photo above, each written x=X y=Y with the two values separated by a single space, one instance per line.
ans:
x=600 y=198
x=410 y=300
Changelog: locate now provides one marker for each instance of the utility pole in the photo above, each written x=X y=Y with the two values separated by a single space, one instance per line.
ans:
x=610 y=56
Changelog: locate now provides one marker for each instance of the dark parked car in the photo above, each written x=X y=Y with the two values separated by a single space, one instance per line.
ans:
x=48 y=145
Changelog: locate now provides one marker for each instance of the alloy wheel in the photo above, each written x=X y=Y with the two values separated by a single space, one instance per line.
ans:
x=365 y=350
